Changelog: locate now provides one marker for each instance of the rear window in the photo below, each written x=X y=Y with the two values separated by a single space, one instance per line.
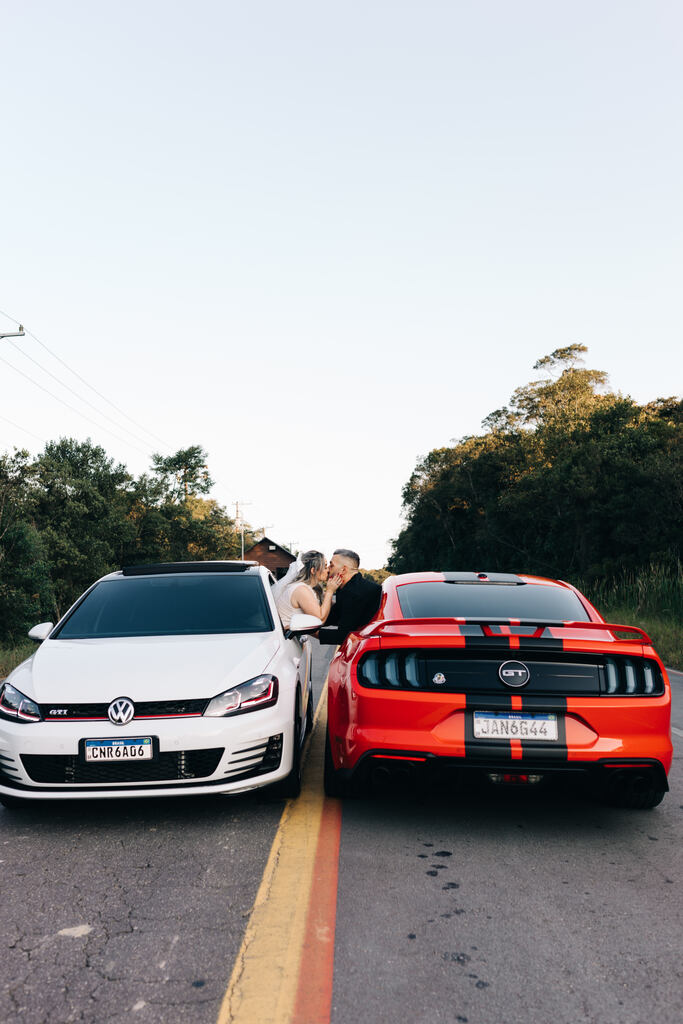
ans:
x=481 y=600
x=170 y=606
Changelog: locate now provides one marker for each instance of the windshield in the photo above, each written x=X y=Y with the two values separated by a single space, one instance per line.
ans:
x=496 y=601
x=173 y=605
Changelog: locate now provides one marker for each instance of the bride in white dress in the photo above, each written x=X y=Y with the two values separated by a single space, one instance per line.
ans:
x=296 y=593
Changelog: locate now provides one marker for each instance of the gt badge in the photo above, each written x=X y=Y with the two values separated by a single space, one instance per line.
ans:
x=514 y=673
x=439 y=679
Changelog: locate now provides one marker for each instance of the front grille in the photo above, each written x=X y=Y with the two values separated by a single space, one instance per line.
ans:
x=143 y=709
x=465 y=671
x=176 y=765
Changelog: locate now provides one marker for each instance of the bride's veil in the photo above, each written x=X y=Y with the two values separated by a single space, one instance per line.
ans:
x=295 y=568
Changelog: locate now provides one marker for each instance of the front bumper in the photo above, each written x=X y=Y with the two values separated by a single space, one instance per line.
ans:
x=193 y=756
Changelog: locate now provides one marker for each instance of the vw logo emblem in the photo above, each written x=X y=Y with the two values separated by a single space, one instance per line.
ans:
x=514 y=673
x=121 y=711
x=439 y=679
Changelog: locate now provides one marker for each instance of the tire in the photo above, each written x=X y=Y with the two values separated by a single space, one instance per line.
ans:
x=634 y=792
x=335 y=785
x=14 y=803
x=289 y=788
x=309 y=713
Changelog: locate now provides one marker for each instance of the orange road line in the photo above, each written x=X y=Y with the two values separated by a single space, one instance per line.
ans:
x=316 y=975
x=293 y=918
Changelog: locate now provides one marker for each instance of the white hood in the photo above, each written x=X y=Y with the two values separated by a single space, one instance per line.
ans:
x=143 y=668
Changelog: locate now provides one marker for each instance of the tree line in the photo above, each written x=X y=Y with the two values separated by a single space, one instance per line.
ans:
x=72 y=514
x=569 y=480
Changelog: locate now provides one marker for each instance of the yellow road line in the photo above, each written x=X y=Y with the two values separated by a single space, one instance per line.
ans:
x=263 y=985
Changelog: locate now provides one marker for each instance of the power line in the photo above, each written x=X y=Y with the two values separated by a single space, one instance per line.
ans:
x=73 y=409
x=88 y=385
x=23 y=429
x=76 y=394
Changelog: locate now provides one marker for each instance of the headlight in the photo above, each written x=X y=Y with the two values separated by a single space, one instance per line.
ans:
x=16 y=706
x=260 y=692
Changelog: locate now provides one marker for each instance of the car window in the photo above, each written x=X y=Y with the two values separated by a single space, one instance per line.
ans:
x=478 y=600
x=173 y=605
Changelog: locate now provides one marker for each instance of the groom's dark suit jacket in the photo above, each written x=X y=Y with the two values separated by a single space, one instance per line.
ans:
x=354 y=606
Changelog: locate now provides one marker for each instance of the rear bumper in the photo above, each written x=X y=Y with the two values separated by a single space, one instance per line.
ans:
x=470 y=770
x=592 y=731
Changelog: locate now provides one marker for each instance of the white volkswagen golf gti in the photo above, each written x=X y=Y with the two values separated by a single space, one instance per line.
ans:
x=160 y=680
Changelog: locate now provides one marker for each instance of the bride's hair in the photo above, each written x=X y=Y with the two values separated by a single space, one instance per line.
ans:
x=312 y=562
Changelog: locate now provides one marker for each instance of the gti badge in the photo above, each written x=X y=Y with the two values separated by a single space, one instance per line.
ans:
x=121 y=711
x=439 y=679
x=514 y=673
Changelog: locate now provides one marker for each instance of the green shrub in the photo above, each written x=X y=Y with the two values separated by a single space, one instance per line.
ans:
x=10 y=657
x=651 y=599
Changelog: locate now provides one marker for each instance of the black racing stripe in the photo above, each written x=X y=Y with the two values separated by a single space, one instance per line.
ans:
x=546 y=751
x=502 y=642
x=499 y=642
x=485 y=749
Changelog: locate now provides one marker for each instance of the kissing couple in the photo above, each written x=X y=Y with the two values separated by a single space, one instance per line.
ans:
x=337 y=593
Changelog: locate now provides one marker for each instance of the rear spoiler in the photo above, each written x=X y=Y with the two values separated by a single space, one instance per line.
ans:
x=390 y=627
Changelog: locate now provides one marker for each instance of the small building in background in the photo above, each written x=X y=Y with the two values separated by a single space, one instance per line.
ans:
x=273 y=556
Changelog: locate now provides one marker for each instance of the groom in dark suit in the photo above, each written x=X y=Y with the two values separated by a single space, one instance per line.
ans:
x=356 y=600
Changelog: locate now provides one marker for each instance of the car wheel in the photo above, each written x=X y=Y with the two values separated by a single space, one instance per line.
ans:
x=333 y=781
x=309 y=713
x=633 y=791
x=14 y=803
x=290 y=787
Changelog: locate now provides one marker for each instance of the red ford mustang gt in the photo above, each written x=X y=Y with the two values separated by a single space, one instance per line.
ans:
x=512 y=678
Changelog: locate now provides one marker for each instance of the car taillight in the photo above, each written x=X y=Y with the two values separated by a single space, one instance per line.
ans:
x=631 y=677
x=397 y=670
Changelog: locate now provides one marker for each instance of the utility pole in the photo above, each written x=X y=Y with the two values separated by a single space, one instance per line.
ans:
x=240 y=521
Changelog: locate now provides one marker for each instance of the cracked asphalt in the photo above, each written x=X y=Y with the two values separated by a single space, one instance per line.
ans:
x=130 y=910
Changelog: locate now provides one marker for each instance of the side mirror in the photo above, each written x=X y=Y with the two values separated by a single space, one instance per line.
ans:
x=41 y=631
x=301 y=623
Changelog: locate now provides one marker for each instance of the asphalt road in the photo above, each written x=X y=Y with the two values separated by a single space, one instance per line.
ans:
x=127 y=910
x=512 y=908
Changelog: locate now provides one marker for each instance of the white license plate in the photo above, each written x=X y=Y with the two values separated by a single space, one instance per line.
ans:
x=514 y=725
x=124 y=749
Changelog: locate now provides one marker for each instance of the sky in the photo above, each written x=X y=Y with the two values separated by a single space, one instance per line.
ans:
x=321 y=240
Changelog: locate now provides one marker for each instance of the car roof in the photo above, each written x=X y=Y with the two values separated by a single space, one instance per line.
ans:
x=391 y=604
x=182 y=568
x=479 y=577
